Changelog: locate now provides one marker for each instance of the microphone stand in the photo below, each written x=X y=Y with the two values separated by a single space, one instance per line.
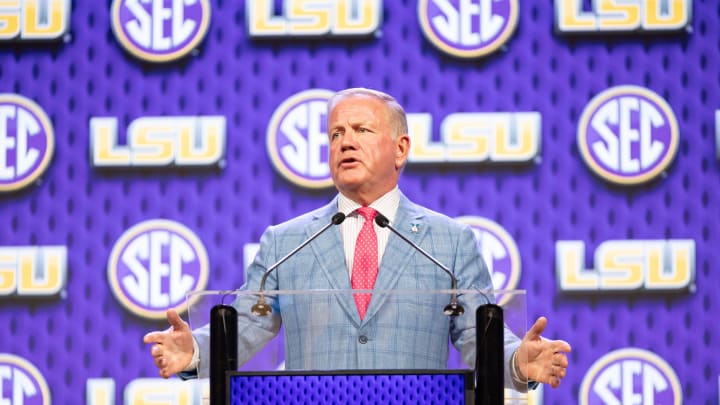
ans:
x=453 y=308
x=261 y=307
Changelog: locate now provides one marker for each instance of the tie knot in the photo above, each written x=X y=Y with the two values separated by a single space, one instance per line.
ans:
x=367 y=213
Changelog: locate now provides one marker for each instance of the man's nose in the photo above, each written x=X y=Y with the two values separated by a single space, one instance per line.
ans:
x=348 y=140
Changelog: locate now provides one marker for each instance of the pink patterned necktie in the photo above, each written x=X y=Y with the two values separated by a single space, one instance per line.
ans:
x=365 y=260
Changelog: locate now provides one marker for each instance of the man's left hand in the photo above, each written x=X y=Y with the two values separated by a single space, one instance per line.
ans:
x=542 y=360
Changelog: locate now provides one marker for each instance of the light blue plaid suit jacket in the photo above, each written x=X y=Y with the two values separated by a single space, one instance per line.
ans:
x=410 y=332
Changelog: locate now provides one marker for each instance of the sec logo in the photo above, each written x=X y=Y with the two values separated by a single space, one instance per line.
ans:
x=21 y=382
x=297 y=140
x=27 y=142
x=468 y=29
x=628 y=135
x=154 y=265
x=630 y=376
x=160 y=30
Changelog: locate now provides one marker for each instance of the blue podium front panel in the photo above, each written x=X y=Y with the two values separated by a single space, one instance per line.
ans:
x=352 y=387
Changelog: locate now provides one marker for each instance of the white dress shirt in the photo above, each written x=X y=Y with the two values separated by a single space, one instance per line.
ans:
x=350 y=228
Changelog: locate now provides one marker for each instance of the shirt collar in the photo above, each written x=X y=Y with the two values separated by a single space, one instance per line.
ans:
x=387 y=204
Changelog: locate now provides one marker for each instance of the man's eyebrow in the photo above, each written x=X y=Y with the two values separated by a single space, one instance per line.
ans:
x=352 y=123
x=361 y=121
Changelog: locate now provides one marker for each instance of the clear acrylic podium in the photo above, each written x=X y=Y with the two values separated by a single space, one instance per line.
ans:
x=313 y=348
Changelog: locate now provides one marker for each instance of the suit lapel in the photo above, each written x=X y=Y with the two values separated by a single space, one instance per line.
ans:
x=330 y=255
x=410 y=222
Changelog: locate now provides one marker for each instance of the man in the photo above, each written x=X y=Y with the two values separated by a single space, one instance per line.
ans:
x=369 y=146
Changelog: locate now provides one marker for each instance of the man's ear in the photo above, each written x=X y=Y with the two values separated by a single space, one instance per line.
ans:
x=402 y=150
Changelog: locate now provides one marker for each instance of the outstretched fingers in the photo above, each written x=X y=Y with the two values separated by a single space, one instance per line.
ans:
x=171 y=349
x=537 y=329
x=558 y=363
x=155 y=337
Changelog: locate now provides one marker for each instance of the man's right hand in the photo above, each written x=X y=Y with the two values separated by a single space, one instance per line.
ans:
x=172 y=349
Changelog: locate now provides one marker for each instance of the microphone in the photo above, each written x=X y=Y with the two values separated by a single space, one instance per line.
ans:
x=261 y=308
x=453 y=308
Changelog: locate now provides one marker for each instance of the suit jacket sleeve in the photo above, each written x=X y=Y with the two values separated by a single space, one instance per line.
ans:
x=254 y=332
x=473 y=274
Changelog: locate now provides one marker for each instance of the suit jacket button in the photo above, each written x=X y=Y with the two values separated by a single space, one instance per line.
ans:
x=362 y=339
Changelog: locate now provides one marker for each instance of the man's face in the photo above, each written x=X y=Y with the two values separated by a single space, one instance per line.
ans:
x=365 y=160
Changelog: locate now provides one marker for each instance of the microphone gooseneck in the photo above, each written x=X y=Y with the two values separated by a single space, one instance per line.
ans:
x=453 y=308
x=261 y=307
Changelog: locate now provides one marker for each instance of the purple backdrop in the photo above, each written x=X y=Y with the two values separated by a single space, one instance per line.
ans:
x=85 y=332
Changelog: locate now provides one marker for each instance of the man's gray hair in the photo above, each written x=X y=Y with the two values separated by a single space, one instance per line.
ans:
x=397 y=117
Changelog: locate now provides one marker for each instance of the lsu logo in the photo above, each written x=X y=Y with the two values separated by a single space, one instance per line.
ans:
x=160 y=30
x=34 y=19
x=499 y=251
x=35 y=271
x=154 y=264
x=622 y=15
x=623 y=265
x=630 y=376
x=628 y=135
x=476 y=137
x=159 y=141
x=297 y=140
x=145 y=391
x=21 y=382
x=466 y=28
x=27 y=142
x=317 y=18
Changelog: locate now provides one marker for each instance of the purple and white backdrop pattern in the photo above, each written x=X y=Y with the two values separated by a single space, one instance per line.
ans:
x=145 y=144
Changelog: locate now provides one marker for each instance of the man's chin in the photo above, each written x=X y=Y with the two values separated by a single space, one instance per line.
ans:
x=349 y=187
x=350 y=180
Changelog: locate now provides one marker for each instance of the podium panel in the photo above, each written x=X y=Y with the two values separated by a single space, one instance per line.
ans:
x=352 y=387
x=312 y=347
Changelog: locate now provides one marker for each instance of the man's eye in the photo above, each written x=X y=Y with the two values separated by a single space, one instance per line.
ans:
x=361 y=129
x=335 y=135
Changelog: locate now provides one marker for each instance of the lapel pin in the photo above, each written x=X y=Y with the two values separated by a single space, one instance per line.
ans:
x=414 y=228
